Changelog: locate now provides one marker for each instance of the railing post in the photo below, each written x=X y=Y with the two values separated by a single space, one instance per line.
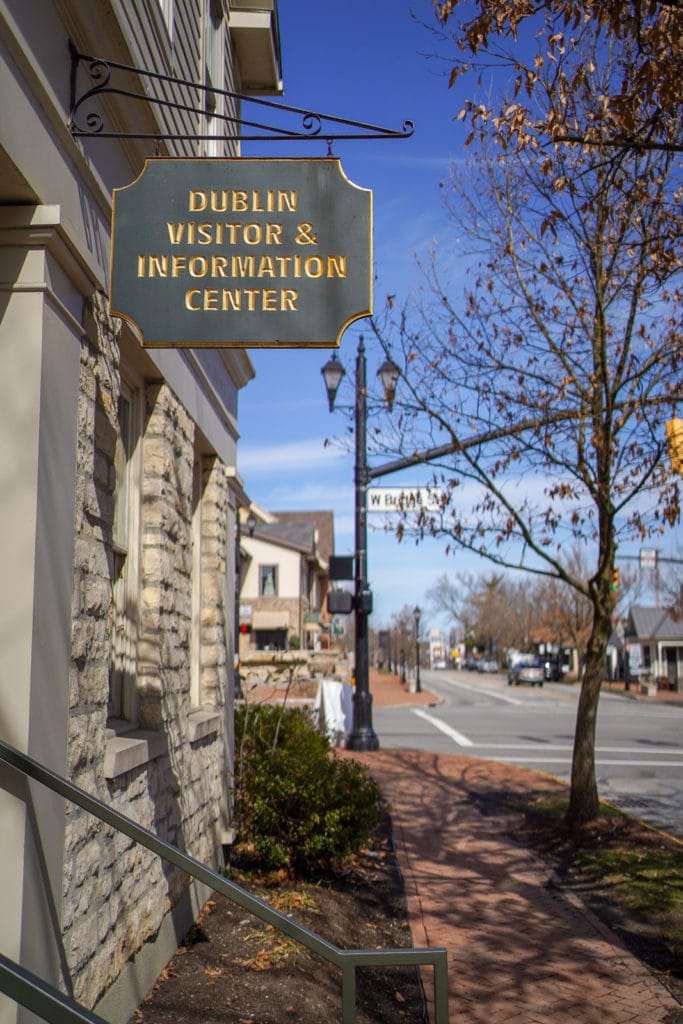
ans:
x=441 y=990
x=348 y=992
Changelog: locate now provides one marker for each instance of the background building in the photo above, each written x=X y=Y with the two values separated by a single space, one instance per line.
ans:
x=437 y=649
x=654 y=644
x=119 y=500
x=285 y=565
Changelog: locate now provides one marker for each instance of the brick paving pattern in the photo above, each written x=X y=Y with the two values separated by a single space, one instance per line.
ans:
x=520 y=950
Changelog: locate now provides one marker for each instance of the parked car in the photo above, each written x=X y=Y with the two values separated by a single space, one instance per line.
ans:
x=553 y=670
x=488 y=665
x=529 y=670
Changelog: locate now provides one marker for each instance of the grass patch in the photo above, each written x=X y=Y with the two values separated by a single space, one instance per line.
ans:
x=630 y=874
x=649 y=882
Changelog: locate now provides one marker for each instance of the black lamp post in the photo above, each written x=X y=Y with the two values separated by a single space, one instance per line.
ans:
x=418 y=683
x=363 y=736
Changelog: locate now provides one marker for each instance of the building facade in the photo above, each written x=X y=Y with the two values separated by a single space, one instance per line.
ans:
x=285 y=579
x=654 y=647
x=119 y=501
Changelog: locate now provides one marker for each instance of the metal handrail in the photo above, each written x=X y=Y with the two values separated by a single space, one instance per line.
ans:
x=346 y=959
x=37 y=996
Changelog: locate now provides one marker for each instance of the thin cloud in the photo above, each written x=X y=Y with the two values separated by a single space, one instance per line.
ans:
x=275 y=459
x=292 y=498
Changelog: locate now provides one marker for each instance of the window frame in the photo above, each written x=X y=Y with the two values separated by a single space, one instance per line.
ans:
x=122 y=703
x=196 y=596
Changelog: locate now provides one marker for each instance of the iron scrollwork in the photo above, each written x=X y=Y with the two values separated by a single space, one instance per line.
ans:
x=108 y=77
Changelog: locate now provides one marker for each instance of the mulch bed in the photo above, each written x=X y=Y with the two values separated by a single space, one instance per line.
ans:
x=233 y=970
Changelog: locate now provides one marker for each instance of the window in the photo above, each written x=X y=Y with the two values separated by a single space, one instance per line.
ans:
x=268 y=580
x=196 y=623
x=122 y=703
x=271 y=639
x=122 y=453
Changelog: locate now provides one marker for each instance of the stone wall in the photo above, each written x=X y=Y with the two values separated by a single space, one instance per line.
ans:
x=116 y=894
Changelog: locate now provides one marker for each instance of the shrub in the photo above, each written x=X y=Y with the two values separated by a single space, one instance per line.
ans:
x=297 y=805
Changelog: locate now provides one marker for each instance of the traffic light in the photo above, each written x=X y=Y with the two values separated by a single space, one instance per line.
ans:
x=674 y=433
x=615 y=578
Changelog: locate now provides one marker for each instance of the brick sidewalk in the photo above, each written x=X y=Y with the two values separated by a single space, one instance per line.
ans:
x=521 y=951
x=388 y=691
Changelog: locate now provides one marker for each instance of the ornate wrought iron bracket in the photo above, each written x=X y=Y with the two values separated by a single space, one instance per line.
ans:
x=108 y=78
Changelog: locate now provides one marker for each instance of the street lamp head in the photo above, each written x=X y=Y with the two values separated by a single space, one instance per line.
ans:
x=332 y=372
x=389 y=373
x=416 y=616
x=251 y=523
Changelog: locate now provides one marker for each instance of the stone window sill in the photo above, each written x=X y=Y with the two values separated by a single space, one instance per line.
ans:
x=123 y=752
x=203 y=724
x=126 y=750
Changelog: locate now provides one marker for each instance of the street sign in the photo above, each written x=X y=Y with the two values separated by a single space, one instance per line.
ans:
x=341 y=567
x=403 y=499
x=648 y=558
x=241 y=253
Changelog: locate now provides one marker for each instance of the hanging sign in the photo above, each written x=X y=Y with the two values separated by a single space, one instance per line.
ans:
x=241 y=253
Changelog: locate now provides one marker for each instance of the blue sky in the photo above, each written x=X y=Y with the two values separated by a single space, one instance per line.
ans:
x=371 y=61
x=367 y=62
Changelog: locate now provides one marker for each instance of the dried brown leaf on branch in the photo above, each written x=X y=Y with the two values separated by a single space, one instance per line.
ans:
x=643 y=110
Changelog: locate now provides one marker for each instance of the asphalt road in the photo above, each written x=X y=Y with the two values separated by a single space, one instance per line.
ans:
x=639 y=746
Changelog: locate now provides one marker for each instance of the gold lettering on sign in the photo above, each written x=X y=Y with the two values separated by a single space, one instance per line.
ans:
x=158 y=266
x=305 y=235
x=238 y=266
x=267 y=300
x=238 y=200
x=223 y=232
x=243 y=265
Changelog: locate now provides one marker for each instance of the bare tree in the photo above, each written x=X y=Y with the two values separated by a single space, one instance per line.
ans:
x=671 y=585
x=565 y=613
x=403 y=631
x=450 y=595
x=540 y=392
x=493 y=611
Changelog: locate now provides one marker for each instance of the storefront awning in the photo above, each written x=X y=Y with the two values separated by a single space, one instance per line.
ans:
x=270 y=619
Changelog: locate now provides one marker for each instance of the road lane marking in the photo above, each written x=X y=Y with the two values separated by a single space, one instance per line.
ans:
x=465 y=741
x=456 y=736
x=484 y=691
x=599 y=761
x=539 y=745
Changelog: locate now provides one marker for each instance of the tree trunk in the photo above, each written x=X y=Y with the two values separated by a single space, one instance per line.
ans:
x=583 y=799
